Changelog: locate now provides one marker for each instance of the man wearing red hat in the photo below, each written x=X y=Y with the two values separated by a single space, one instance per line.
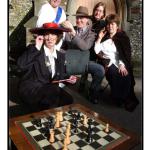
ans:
x=43 y=68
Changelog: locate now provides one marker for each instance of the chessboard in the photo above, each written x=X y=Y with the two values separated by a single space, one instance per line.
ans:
x=86 y=132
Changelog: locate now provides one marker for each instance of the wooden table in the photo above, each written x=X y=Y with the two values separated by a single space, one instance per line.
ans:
x=21 y=144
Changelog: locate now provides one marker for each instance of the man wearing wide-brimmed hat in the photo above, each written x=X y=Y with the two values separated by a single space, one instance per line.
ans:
x=81 y=32
x=42 y=65
x=82 y=38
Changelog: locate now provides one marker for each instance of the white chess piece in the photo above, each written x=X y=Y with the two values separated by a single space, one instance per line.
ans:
x=85 y=120
x=57 y=125
x=61 y=116
x=107 y=128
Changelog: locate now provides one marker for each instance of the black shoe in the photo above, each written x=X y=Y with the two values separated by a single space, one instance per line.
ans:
x=94 y=96
x=130 y=106
x=81 y=88
x=94 y=101
x=119 y=102
x=131 y=103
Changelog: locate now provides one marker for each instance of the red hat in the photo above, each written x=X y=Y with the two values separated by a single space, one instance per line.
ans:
x=54 y=27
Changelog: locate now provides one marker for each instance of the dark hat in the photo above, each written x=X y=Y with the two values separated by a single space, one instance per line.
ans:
x=54 y=27
x=82 y=11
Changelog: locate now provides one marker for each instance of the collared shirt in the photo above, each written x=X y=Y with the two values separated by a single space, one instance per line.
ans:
x=110 y=52
x=81 y=30
x=48 y=14
x=51 y=56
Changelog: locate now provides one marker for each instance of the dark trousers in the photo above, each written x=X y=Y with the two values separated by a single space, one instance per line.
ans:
x=54 y=97
x=48 y=96
x=120 y=85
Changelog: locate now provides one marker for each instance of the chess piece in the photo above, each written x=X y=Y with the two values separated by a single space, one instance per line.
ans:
x=107 y=128
x=89 y=131
x=68 y=134
x=46 y=132
x=75 y=123
x=78 y=116
x=57 y=125
x=68 y=129
x=85 y=120
x=37 y=122
x=69 y=125
x=52 y=139
x=89 y=134
x=51 y=122
x=61 y=116
x=65 y=144
x=68 y=139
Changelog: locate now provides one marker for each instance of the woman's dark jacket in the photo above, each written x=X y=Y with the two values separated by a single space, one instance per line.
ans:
x=32 y=62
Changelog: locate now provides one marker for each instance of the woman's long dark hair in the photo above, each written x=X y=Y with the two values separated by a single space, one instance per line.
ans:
x=96 y=6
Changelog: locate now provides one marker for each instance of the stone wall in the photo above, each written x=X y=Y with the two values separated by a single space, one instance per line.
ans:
x=135 y=31
x=19 y=13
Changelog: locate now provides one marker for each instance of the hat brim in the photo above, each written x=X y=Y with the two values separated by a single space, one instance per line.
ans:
x=81 y=15
x=50 y=29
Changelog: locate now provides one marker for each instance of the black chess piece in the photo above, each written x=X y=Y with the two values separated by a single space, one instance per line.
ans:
x=76 y=129
x=39 y=124
x=78 y=116
x=50 y=118
x=89 y=138
x=75 y=123
x=47 y=134
x=43 y=130
x=51 y=122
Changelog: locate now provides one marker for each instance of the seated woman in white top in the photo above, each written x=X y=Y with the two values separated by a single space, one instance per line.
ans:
x=114 y=50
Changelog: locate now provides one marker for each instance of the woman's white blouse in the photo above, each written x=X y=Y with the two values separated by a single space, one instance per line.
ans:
x=110 y=52
x=51 y=57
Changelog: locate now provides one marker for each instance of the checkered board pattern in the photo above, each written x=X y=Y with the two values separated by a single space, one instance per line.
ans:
x=101 y=139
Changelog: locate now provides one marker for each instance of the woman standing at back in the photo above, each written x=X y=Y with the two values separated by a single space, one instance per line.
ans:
x=98 y=23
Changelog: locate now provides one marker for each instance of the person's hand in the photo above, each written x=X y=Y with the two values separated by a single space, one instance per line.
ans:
x=102 y=33
x=39 y=41
x=72 y=79
x=122 y=70
x=67 y=24
x=100 y=55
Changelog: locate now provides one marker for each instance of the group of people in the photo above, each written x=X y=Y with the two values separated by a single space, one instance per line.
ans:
x=44 y=62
